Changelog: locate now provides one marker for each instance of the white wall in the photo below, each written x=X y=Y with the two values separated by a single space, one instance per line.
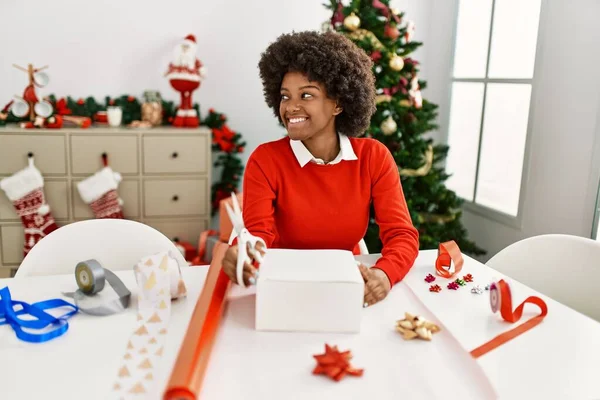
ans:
x=113 y=48
x=564 y=168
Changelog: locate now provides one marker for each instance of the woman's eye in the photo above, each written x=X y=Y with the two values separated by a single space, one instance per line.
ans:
x=284 y=97
x=306 y=95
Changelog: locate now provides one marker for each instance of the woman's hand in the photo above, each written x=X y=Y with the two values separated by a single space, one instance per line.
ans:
x=230 y=264
x=377 y=284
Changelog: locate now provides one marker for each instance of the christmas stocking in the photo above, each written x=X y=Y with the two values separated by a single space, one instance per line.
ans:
x=26 y=190
x=100 y=192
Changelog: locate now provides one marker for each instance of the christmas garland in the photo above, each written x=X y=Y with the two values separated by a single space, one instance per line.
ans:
x=226 y=142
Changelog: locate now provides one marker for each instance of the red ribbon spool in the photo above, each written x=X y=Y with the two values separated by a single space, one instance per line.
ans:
x=448 y=255
x=501 y=300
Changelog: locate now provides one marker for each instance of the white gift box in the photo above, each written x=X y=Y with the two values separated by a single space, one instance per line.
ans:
x=309 y=291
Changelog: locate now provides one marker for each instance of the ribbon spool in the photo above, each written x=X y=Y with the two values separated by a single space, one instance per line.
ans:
x=91 y=279
x=159 y=281
x=41 y=321
x=501 y=301
x=449 y=261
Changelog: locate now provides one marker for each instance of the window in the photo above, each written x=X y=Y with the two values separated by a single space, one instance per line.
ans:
x=492 y=78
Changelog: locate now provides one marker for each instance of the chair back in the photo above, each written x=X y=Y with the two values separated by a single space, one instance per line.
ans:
x=563 y=267
x=118 y=244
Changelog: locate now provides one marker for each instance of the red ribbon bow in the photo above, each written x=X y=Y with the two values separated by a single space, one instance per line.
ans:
x=435 y=288
x=224 y=138
x=61 y=108
x=401 y=86
x=385 y=10
x=335 y=364
x=338 y=15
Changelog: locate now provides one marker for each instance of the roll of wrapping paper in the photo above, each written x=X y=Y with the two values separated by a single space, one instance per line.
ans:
x=449 y=261
x=501 y=300
x=159 y=281
x=91 y=298
x=189 y=370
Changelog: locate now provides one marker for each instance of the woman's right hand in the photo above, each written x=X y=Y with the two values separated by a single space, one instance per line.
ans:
x=230 y=264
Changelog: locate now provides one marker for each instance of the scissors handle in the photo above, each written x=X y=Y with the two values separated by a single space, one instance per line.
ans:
x=244 y=254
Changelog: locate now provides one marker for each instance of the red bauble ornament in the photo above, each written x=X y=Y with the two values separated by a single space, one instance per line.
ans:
x=391 y=32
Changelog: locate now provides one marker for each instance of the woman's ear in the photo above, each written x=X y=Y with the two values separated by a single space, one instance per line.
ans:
x=337 y=110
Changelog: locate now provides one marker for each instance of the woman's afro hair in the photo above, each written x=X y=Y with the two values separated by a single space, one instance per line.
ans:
x=331 y=59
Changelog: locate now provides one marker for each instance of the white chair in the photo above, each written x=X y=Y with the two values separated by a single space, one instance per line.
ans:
x=563 y=267
x=116 y=243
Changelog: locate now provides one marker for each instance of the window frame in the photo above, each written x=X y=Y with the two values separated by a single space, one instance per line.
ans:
x=471 y=205
x=593 y=194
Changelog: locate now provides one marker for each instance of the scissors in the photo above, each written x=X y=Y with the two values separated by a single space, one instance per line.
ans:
x=244 y=238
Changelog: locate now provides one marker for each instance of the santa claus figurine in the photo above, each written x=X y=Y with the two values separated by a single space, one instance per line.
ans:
x=185 y=74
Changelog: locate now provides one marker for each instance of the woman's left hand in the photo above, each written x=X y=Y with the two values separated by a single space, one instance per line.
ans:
x=377 y=285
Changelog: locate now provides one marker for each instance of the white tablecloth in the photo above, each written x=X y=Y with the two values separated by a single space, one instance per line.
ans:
x=558 y=359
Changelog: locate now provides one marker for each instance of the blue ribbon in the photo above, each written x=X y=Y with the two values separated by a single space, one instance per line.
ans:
x=41 y=320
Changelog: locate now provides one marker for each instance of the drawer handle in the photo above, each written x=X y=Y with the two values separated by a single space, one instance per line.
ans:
x=175 y=155
x=175 y=198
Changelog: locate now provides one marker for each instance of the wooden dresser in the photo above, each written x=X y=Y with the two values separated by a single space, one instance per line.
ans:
x=166 y=177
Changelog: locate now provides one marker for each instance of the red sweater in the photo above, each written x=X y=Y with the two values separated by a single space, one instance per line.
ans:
x=327 y=206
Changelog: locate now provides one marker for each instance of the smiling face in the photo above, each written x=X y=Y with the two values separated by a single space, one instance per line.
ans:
x=305 y=109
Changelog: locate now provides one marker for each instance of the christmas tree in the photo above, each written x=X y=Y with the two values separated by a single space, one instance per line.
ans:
x=402 y=119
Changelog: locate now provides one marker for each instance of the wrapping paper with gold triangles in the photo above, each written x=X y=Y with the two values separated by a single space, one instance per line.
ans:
x=159 y=281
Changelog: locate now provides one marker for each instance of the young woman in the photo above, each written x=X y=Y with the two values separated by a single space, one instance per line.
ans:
x=313 y=188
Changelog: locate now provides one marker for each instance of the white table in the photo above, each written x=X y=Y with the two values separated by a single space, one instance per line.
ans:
x=559 y=359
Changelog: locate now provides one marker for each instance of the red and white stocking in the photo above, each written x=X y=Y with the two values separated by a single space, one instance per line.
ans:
x=26 y=190
x=100 y=192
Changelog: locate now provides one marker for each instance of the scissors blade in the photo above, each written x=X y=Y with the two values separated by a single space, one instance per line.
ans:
x=234 y=219
x=236 y=205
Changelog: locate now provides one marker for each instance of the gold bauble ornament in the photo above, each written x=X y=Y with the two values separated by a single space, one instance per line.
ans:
x=405 y=103
x=352 y=22
x=382 y=98
x=388 y=126
x=396 y=63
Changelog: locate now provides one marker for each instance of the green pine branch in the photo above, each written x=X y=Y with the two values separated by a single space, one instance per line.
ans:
x=435 y=209
x=228 y=160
